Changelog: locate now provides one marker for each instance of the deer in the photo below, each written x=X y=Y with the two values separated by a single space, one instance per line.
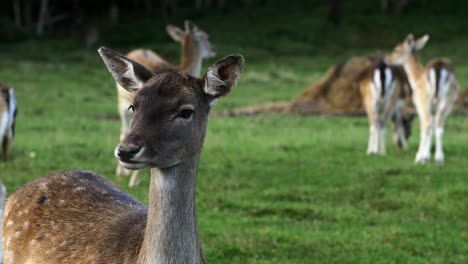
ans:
x=435 y=90
x=196 y=46
x=8 y=111
x=81 y=217
x=384 y=90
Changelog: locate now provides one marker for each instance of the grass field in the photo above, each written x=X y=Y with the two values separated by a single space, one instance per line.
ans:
x=271 y=189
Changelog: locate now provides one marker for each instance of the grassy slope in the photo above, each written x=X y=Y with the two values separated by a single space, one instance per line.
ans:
x=271 y=189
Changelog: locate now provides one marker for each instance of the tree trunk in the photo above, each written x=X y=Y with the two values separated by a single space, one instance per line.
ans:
x=221 y=4
x=335 y=11
x=28 y=14
x=17 y=13
x=42 y=19
x=199 y=4
x=114 y=14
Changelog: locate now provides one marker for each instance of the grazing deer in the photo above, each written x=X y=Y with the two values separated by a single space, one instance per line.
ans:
x=8 y=110
x=195 y=47
x=2 y=202
x=384 y=89
x=435 y=91
x=80 y=217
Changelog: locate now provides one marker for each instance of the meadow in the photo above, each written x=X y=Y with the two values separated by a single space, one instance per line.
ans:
x=270 y=188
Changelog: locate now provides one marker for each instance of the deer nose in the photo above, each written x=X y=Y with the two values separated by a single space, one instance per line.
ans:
x=127 y=152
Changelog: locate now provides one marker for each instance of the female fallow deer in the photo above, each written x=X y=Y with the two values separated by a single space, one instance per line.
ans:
x=8 y=111
x=384 y=89
x=195 y=47
x=435 y=90
x=79 y=217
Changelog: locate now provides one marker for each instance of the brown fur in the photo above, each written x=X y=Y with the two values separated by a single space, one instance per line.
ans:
x=337 y=93
x=195 y=47
x=157 y=64
x=432 y=106
x=382 y=106
x=39 y=214
x=80 y=217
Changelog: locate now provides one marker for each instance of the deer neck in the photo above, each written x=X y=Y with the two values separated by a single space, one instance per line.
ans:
x=171 y=233
x=414 y=70
x=191 y=58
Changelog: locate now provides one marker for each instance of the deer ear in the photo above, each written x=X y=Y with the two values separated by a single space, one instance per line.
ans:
x=421 y=42
x=129 y=74
x=410 y=37
x=409 y=40
x=176 y=33
x=223 y=76
x=189 y=26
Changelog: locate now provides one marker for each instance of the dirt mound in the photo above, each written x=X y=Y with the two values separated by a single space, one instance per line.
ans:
x=337 y=93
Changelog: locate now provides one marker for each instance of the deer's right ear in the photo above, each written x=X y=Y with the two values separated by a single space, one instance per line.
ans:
x=129 y=74
x=421 y=42
x=222 y=77
x=409 y=39
x=176 y=33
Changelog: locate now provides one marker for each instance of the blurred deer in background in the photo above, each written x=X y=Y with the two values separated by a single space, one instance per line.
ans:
x=435 y=91
x=8 y=110
x=80 y=217
x=196 y=46
x=384 y=89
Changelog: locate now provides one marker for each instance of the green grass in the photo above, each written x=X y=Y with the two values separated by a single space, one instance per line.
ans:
x=271 y=189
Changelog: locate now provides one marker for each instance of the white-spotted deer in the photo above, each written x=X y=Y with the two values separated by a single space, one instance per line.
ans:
x=195 y=47
x=435 y=91
x=8 y=111
x=80 y=217
x=384 y=89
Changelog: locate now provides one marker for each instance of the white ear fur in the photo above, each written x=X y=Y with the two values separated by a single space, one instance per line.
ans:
x=222 y=77
x=421 y=42
x=188 y=26
x=135 y=83
x=129 y=74
x=176 y=33
x=212 y=83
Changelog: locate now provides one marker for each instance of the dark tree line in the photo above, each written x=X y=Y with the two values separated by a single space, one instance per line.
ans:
x=40 y=16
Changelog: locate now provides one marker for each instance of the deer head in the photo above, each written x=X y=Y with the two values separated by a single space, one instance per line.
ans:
x=405 y=49
x=193 y=34
x=170 y=111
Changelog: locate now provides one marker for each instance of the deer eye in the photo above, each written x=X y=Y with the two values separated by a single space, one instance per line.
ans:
x=186 y=113
x=131 y=107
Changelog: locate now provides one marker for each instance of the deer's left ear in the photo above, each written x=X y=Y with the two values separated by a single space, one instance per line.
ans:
x=129 y=74
x=176 y=33
x=222 y=77
x=421 y=42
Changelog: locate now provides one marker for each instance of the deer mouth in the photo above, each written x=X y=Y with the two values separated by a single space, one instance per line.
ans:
x=133 y=162
x=133 y=165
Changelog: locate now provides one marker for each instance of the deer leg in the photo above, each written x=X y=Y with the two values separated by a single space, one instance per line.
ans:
x=399 y=137
x=424 y=152
x=5 y=147
x=135 y=179
x=370 y=106
x=382 y=137
x=443 y=111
